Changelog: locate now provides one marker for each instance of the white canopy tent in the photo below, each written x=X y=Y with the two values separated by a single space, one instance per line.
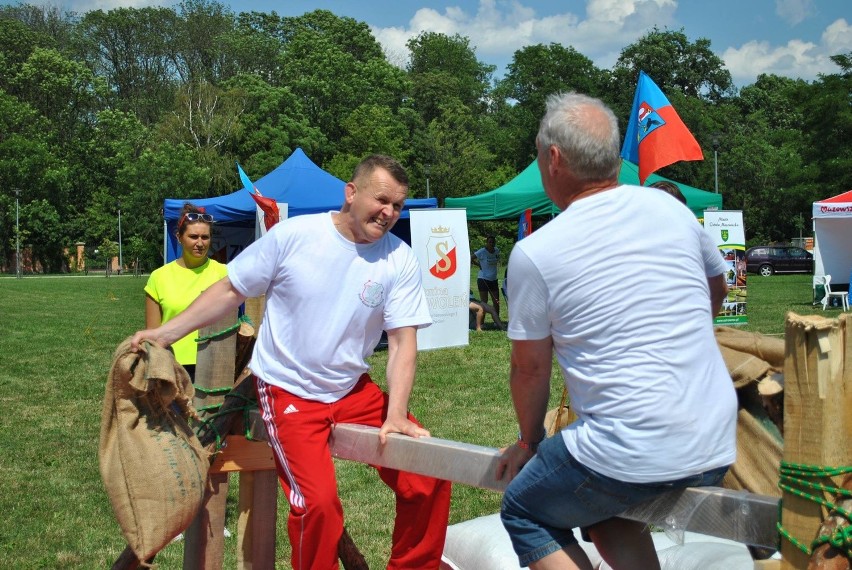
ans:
x=832 y=219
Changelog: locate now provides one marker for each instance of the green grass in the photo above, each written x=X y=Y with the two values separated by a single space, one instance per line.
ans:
x=55 y=349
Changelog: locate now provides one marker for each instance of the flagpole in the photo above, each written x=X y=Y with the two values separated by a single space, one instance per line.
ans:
x=120 y=259
x=715 y=143
x=17 y=234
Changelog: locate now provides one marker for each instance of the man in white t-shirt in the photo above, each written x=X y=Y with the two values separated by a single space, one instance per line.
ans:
x=333 y=282
x=622 y=286
x=488 y=260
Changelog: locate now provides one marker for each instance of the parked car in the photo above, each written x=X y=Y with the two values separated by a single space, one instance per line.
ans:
x=769 y=259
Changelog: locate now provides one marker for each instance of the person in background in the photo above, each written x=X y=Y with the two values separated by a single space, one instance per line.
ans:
x=478 y=308
x=488 y=260
x=656 y=408
x=172 y=287
x=671 y=188
x=333 y=282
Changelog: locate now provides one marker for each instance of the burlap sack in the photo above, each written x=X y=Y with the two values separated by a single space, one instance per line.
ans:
x=152 y=464
x=749 y=356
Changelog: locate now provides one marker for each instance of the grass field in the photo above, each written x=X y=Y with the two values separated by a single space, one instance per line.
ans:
x=55 y=349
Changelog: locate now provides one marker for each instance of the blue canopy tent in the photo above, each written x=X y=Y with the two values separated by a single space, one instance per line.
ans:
x=297 y=182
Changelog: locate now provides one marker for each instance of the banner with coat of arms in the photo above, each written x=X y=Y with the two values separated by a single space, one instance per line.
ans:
x=439 y=240
x=726 y=229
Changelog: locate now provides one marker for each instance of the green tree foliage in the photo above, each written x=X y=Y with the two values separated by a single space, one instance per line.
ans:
x=534 y=73
x=255 y=45
x=41 y=230
x=203 y=29
x=444 y=68
x=271 y=125
x=17 y=42
x=334 y=65
x=132 y=50
x=827 y=125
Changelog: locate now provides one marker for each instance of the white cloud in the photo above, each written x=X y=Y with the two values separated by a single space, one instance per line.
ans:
x=794 y=11
x=837 y=37
x=501 y=27
x=796 y=58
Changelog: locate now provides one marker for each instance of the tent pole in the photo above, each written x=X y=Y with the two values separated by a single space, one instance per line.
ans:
x=165 y=240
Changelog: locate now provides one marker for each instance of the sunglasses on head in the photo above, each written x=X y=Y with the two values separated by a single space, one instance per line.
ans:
x=195 y=217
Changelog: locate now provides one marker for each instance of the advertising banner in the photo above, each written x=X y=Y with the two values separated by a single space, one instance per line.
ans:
x=439 y=240
x=726 y=229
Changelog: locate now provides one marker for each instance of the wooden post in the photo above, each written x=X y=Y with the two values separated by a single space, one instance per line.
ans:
x=258 y=504
x=258 y=512
x=204 y=545
x=817 y=418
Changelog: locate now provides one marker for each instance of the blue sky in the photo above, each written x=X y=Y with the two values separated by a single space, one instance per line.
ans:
x=792 y=38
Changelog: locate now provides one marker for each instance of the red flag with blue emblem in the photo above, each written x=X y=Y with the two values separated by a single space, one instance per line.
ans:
x=656 y=136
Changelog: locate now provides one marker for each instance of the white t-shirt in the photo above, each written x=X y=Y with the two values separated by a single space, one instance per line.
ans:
x=488 y=262
x=327 y=302
x=619 y=280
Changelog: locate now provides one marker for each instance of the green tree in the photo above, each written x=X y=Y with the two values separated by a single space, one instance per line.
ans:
x=443 y=68
x=201 y=41
x=272 y=125
x=164 y=170
x=45 y=21
x=826 y=126
x=674 y=63
x=255 y=46
x=133 y=50
x=136 y=251
x=334 y=65
x=17 y=43
x=206 y=118
x=535 y=73
x=462 y=164
x=62 y=90
x=41 y=230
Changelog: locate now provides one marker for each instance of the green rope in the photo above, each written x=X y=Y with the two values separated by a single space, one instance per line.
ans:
x=793 y=478
x=840 y=539
x=214 y=391
x=207 y=423
x=223 y=332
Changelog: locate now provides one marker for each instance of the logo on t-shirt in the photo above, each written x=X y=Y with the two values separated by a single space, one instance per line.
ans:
x=373 y=294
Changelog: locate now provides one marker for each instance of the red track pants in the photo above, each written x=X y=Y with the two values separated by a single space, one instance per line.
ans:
x=299 y=431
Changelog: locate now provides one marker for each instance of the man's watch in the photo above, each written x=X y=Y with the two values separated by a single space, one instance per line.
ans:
x=532 y=446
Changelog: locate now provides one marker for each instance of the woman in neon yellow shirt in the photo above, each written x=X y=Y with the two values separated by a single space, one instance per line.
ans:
x=172 y=287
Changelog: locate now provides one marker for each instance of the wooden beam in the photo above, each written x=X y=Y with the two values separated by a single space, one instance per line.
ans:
x=734 y=515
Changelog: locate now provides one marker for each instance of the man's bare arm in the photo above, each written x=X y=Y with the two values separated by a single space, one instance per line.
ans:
x=529 y=381
x=402 y=364
x=718 y=292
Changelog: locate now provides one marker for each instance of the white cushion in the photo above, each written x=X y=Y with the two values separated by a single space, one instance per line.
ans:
x=483 y=544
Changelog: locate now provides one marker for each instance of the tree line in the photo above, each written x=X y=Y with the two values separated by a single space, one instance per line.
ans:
x=126 y=107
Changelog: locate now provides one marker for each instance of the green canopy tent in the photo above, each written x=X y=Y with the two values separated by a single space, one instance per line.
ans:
x=525 y=191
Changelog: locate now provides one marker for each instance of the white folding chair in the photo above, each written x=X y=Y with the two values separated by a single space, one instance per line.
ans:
x=829 y=294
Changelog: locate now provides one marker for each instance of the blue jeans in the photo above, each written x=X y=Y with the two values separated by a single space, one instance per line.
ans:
x=554 y=493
